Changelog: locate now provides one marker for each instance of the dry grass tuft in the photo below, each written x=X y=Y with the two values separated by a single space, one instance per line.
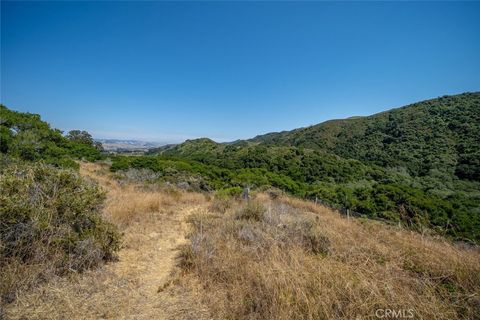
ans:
x=296 y=260
x=253 y=210
x=220 y=204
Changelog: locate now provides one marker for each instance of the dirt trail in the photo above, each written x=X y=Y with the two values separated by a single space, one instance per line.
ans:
x=134 y=287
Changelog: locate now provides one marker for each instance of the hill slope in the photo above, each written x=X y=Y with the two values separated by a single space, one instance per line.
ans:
x=440 y=134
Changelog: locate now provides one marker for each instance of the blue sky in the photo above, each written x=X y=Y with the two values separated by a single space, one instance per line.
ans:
x=227 y=70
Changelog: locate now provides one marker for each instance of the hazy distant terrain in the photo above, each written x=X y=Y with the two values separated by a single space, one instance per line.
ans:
x=118 y=145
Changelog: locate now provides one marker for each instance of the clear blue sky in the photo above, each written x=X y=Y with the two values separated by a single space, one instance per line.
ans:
x=169 y=71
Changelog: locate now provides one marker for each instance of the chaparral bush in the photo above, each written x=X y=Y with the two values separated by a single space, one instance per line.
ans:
x=50 y=224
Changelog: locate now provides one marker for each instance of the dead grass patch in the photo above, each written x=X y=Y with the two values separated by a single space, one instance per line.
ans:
x=297 y=260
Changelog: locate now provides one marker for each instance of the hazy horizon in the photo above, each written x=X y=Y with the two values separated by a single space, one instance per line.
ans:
x=162 y=71
x=164 y=142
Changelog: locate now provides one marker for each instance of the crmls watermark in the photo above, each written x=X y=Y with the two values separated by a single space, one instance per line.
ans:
x=394 y=313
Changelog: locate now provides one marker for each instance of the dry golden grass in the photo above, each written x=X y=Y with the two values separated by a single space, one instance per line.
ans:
x=130 y=203
x=265 y=269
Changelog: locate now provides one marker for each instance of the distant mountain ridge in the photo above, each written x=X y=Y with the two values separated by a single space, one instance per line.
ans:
x=128 y=145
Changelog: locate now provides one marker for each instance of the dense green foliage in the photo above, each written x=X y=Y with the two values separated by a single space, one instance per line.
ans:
x=26 y=136
x=418 y=164
x=206 y=177
x=50 y=223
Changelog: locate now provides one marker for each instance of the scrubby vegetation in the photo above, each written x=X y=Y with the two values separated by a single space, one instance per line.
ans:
x=50 y=217
x=291 y=259
x=272 y=257
x=373 y=191
x=50 y=224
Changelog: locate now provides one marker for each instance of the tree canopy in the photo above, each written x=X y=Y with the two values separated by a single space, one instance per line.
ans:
x=27 y=137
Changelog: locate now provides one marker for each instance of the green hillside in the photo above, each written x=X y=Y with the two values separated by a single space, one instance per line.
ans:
x=439 y=135
x=418 y=164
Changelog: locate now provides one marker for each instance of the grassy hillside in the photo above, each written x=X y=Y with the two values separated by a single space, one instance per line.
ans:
x=370 y=190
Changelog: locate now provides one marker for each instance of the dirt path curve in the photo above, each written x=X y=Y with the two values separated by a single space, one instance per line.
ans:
x=134 y=287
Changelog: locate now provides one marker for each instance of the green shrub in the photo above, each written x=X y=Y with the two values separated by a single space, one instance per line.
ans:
x=50 y=223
